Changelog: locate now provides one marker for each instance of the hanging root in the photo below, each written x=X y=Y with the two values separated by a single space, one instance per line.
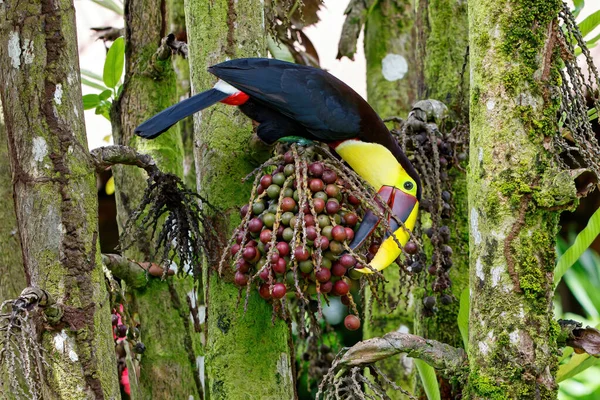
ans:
x=21 y=356
x=576 y=140
x=184 y=234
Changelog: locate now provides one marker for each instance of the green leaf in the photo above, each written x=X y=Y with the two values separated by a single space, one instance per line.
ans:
x=113 y=66
x=278 y=50
x=586 y=296
x=90 y=101
x=89 y=74
x=92 y=84
x=429 y=380
x=582 y=242
x=463 y=317
x=105 y=94
x=110 y=5
x=578 y=7
x=577 y=364
x=589 y=23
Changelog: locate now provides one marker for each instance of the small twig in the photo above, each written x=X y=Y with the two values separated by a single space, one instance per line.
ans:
x=105 y=157
x=356 y=15
x=582 y=340
x=108 y=33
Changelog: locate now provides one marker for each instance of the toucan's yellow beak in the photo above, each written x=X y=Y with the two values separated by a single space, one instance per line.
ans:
x=405 y=208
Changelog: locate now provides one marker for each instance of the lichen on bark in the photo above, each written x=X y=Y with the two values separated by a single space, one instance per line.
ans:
x=512 y=337
x=246 y=352
x=55 y=193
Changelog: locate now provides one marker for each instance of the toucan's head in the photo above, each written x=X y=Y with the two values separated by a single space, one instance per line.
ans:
x=390 y=172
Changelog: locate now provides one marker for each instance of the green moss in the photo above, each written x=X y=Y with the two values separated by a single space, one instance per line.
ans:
x=487 y=388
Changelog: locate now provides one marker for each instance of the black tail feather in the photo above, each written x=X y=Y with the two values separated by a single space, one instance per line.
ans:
x=165 y=119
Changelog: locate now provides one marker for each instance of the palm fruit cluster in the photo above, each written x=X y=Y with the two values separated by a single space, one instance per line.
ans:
x=295 y=232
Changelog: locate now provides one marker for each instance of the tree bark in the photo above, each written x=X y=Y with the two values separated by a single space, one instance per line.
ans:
x=172 y=345
x=390 y=51
x=246 y=353
x=12 y=274
x=55 y=193
x=512 y=337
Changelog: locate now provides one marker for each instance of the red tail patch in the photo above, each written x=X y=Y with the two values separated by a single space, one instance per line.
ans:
x=236 y=99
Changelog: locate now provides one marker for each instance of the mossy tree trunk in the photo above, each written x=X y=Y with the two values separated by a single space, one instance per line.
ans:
x=168 y=367
x=512 y=338
x=246 y=354
x=55 y=193
x=12 y=274
x=444 y=76
x=390 y=51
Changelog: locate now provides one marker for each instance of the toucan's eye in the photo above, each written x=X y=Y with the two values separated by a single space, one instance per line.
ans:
x=408 y=185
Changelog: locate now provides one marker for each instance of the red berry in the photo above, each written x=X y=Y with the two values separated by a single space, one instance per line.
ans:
x=274 y=258
x=332 y=207
x=301 y=254
x=311 y=232
x=332 y=190
x=264 y=274
x=353 y=200
x=316 y=185
x=288 y=157
x=244 y=210
x=349 y=234
x=280 y=266
x=288 y=204
x=323 y=242
x=374 y=248
x=338 y=269
x=279 y=290
x=329 y=176
x=249 y=253
x=323 y=275
x=351 y=219
x=241 y=279
x=345 y=300
x=260 y=190
x=283 y=248
x=121 y=331
x=255 y=225
x=264 y=291
x=339 y=233
x=340 y=288
x=352 y=322
x=309 y=220
x=347 y=261
x=319 y=205
x=235 y=248
x=316 y=169
x=411 y=248
x=326 y=287
x=243 y=266
x=266 y=181
x=265 y=236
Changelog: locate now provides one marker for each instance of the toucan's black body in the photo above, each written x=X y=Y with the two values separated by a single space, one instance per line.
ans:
x=295 y=100
x=289 y=100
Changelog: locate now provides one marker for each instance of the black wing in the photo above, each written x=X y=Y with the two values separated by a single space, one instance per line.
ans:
x=324 y=105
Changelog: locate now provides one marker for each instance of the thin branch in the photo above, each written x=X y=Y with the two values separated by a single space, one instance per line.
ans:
x=133 y=272
x=439 y=355
x=105 y=157
x=356 y=15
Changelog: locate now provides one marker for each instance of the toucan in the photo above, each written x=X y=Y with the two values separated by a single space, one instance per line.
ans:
x=296 y=100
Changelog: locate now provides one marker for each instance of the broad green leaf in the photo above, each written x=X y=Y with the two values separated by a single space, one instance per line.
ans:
x=578 y=7
x=105 y=94
x=92 y=84
x=577 y=364
x=566 y=352
x=89 y=74
x=113 y=66
x=429 y=380
x=463 y=317
x=90 y=101
x=278 y=50
x=110 y=5
x=582 y=293
x=589 y=23
x=582 y=242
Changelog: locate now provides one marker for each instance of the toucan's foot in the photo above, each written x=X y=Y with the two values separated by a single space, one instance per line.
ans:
x=296 y=139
